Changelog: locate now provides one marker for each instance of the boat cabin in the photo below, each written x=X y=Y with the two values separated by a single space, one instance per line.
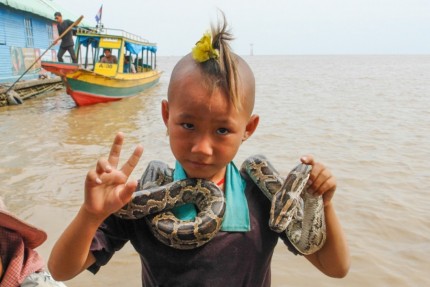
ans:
x=127 y=48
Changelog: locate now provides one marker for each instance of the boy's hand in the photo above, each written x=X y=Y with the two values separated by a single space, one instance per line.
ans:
x=107 y=188
x=321 y=180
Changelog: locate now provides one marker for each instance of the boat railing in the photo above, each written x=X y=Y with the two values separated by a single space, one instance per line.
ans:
x=111 y=32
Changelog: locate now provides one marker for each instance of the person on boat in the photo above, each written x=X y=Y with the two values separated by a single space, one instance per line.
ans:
x=108 y=57
x=67 y=43
x=208 y=116
x=128 y=66
x=20 y=264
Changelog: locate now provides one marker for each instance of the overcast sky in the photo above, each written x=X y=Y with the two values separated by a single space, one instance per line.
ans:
x=272 y=27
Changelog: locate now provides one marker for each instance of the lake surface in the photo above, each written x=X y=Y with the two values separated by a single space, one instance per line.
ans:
x=366 y=117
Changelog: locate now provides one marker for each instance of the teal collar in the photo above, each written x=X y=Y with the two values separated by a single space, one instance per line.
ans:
x=236 y=216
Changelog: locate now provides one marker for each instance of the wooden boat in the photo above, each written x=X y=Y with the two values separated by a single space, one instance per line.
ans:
x=90 y=81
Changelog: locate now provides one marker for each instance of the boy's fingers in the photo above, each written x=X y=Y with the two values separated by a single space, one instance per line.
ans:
x=307 y=159
x=322 y=180
x=115 y=150
x=131 y=163
x=92 y=176
x=326 y=184
x=329 y=184
x=103 y=166
x=127 y=192
x=315 y=178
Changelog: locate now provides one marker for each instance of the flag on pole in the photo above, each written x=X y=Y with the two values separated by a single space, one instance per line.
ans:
x=99 y=14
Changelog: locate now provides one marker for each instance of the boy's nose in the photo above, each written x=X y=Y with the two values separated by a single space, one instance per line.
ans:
x=202 y=145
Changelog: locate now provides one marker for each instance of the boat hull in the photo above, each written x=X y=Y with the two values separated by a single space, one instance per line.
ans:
x=87 y=87
x=60 y=69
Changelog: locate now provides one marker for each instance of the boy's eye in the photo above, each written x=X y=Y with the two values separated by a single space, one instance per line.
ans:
x=222 y=131
x=188 y=126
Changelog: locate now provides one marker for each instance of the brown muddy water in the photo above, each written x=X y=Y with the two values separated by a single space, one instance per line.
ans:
x=366 y=117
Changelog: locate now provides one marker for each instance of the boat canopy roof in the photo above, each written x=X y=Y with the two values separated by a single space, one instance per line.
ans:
x=137 y=48
x=134 y=44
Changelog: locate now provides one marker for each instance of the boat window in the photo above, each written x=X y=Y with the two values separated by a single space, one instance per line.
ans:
x=108 y=55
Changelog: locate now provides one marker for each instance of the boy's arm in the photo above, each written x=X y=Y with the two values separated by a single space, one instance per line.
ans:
x=70 y=254
x=333 y=258
x=107 y=189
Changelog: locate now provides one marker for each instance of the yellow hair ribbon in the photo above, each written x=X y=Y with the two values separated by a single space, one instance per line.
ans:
x=203 y=50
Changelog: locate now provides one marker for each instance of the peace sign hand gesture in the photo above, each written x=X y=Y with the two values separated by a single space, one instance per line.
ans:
x=108 y=188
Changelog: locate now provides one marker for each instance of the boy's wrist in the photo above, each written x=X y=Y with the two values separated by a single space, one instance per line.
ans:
x=90 y=218
x=328 y=206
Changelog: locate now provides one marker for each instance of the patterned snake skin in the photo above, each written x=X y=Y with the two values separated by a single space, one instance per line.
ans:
x=293 y=211
x=157 y=194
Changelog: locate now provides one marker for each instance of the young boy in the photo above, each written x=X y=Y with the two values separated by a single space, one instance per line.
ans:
x=208 y=115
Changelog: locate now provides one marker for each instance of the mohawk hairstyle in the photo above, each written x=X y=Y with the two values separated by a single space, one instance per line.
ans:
x=223 y=69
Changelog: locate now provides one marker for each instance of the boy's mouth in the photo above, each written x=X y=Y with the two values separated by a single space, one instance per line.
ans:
x=198 y=164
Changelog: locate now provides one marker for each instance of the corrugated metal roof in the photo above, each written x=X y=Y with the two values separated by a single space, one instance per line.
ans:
x=43 y=8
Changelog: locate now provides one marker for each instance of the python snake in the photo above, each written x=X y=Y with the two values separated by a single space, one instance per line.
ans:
x=293 y=210
x=157 y=194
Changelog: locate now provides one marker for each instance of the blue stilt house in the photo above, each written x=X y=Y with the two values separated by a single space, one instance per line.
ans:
x=27 y=29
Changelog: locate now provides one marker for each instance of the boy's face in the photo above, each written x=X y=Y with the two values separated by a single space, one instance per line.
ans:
x=205 y=130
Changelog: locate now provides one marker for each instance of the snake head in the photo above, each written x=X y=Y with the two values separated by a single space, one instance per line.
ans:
x=287 y=201
x=282 y=215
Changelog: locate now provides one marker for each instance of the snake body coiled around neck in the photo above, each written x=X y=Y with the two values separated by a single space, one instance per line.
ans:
x=293 y=210
x=157 y=194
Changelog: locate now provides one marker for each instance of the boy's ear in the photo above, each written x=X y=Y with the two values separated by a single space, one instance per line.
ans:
x=165 y=111
x=251 y=126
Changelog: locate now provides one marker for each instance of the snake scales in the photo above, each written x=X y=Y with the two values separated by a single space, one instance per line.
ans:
x=293 y=210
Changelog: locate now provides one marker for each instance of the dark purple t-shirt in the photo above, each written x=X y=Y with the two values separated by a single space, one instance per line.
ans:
x=229 y=259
